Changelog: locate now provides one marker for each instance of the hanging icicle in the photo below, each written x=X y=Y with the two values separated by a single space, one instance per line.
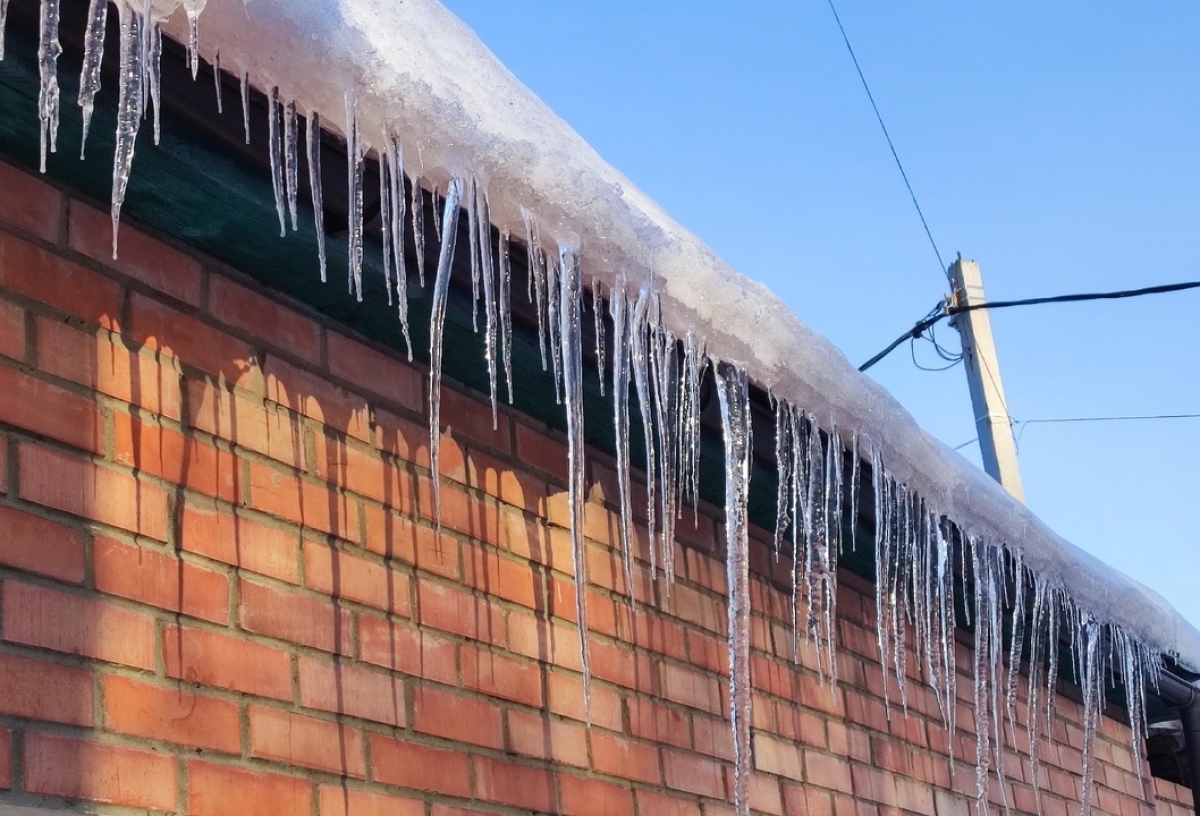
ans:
x=620 y=396
x=93 y=58
x=291 y=160
x=354 y=171
x=49 y=50
x=506 y=308
x=313 y=139
x=130 y=104
x=246 y=103
x=275 y=140
x=398 y=210
x=441 y=290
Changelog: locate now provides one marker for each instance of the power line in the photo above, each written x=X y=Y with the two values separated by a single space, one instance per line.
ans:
x=886 y=135
x=1067 y=420
x=946 y=308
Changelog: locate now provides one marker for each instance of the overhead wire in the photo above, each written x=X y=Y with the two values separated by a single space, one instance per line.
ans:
x=1024 y=423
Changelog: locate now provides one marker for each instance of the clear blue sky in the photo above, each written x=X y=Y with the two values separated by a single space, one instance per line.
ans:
x=1056 y=143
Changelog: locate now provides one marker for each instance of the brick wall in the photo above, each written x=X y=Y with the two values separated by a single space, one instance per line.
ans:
x=221 y=590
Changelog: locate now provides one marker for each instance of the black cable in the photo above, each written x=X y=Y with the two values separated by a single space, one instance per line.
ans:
x=886 y=135
x=945 y=309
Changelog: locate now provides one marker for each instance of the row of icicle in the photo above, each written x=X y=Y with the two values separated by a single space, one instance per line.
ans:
x=919 y=555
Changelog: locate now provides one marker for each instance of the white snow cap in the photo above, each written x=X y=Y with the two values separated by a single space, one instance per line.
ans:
x=419 y=74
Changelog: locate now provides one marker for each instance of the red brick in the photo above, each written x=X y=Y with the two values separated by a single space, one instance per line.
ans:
x=627 y=759
x=81 y=488
x=39 y=545
x=161 y=580
x=543 y=737
x=536 y=449
x=657 y=722
x=694 y=774
x=312 y=505
x=30 y=204
x=663 y=804
x=163 y=452
x=219 y=790
x=344 y=688
x=115 y=776
x=241 y=542
x=778 y=757
x=455 y=717
x=339 y=800
x=471 y=417
x=498 y=675
x=407 y=649
x=365 y=473
x=316 y=398
x=601 y=611
x=375 y=372
x=500 y=479
x=564 y=696
x=496 y=575
x=532 y=540
x=193 y=341
x=402 y=439
x=295 y=617
x=460 y=613
x=408 y=765
x=616 y=663
x=5 y=759
x=711 y=735
x=45 y=691
x=544 y=640
x=520 y=786
x=223 y=661
x=247 y=423
x=348 y=577
x=12 y=330
x=41 y=617
x=294 y=739
x=414 y=542
x=592 y=797
x=104 y=364
x=264 y=318
x=59 y=283
x=40 y=408
x=462 y=512
x=140 y=256
x=3 y=464
x=170 y=714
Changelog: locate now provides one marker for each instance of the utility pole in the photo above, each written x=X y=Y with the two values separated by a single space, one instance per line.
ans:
x=996 y=442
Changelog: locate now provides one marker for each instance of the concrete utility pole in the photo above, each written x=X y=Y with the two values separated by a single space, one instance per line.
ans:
x=996 y=441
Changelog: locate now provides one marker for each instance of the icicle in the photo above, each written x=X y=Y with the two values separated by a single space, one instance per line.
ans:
x=695 y=363
x=666 y=395
x=276 y=154
x=620 y=394
x=980 y=675
x=385 y=217
x=398 y=210
x=537 y=277
x=571 y=340
x=1092 y=680
x=473 y=230
x=441 y=289
x=639 y=358
x=354 y=171
x=246 y=102
x=313 y=139
x=93 y=58
x=193 y=18
x=855 y=478
x=418 y=226
x=598 y=315
x=488 y=273
x=798 y=491
x=733 y=391
x=49 y=50
x=3 y=21
x=217 y=83
x=291 y=159
x=154 y=71
x=437 y=217
x=553 y=285
x=1016 y=642
x=783 y=473
x=506 y=309
x=129 y=106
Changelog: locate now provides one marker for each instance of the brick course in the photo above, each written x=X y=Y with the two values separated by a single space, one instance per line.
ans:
x=222 y=590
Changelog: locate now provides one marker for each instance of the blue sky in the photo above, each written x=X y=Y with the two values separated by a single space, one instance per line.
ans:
x=1058 y=144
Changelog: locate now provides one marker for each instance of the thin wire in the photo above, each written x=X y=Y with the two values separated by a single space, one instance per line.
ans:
x=935 y=369
x=1065 y=420
x=886 y=135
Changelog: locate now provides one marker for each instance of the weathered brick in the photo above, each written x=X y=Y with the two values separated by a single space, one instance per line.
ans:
x=173 y=457
x=628 y=759
x=170 y=714
x=774 y=756
x=593 y=797
x=694 y=774
x=466 y=416
x=84 y=489
x=657 y=722
x=363 y=472
x=103 y=363
x=12 y=330
x=413 y=542
x=40 y=546
x=218 y=790
x=264 y=318
x=294 y=739
x=544 y=737
x=167 y=330
x=115 y=776
x=5 y=759
x=399 y=647
x=36 y=616
x=564 y=696
x=153 y=263
x=340 y=800
x=520 y=786
x=409 y=765
x=349 y=577
x=155 y=578
x=38 y=407
x=545 y=640
x=29 y=203
x=225 y=661
x=460 y=613
x=3 y=463
x=294 y=616
x=59 y=283
x=537 y=449
x=452 y=716
x=41 y=690
x=664 y=804
x=490 y=572
x=249 y=423
x=497 y=675
x=345 y=688
x=303 y=502
x=317 y=398
x=462 y=512
x=241 y=542
x=375 y=372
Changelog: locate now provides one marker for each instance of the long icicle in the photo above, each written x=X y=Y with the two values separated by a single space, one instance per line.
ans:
x=620 y=396
x=276 y=156
x=398 y=211
x=733 y=391
x=354 y=174
x=488 y=274
x=93 y=58
x=313 y=139
x=291 y=160
x=441 y=290
x=571 y=336
x=3 y=22
x=506 y=309
x=49 y=50
x=129 y=106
